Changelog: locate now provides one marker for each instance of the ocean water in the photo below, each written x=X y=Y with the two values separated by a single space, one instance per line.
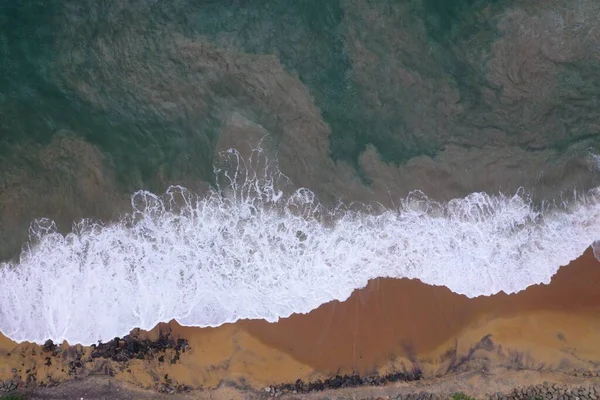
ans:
x=216 y=161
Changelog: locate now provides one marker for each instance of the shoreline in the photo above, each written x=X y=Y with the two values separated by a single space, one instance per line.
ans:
x=411 y=319
x=389 y=327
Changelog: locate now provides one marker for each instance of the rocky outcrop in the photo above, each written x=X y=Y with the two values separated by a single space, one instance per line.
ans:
x=339 y=382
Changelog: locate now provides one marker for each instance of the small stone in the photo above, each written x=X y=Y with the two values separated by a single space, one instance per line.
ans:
x=268 y=389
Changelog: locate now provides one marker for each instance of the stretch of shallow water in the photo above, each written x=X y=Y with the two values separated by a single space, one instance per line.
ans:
x=248 y=250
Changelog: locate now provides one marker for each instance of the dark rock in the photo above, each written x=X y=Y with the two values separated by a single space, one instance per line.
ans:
x=49 y=346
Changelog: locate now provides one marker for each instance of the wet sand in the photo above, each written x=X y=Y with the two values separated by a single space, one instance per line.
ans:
x=391 y=325
x=409 y=319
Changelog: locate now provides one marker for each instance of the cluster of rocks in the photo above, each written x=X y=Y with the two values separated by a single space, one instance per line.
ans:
x=537 y=392
x=338 y=382
x=551 y=392
x=420 y=396
x=129 y=348
x=119 y=349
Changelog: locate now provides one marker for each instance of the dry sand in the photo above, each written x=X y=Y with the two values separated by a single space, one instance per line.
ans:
x=388 y=326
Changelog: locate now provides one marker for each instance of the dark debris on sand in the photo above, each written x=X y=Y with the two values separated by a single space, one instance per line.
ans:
x=587 y=391
x=49 y=347
x=130 y=347
x=74 y=360
x=344 y=381
x=119 y=350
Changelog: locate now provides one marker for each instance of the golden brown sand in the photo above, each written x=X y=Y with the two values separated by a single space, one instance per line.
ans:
x=389 y=325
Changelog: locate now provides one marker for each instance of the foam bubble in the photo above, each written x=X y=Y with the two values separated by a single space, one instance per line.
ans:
x=252 y=248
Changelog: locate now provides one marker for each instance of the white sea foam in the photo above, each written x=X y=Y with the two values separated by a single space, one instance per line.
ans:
x=596 y=249
x=593 y=160
x=248 y=250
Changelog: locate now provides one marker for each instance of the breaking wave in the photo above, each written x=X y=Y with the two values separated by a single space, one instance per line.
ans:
x=251 y=247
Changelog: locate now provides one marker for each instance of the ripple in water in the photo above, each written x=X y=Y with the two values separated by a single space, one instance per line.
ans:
x=249 y=249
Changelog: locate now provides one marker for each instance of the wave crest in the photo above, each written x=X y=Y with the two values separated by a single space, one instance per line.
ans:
x=252 y=247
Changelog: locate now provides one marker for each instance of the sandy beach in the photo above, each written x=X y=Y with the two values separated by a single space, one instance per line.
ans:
x=388 y=326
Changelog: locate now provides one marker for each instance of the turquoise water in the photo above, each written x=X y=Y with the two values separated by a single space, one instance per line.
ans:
x=363 y=101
